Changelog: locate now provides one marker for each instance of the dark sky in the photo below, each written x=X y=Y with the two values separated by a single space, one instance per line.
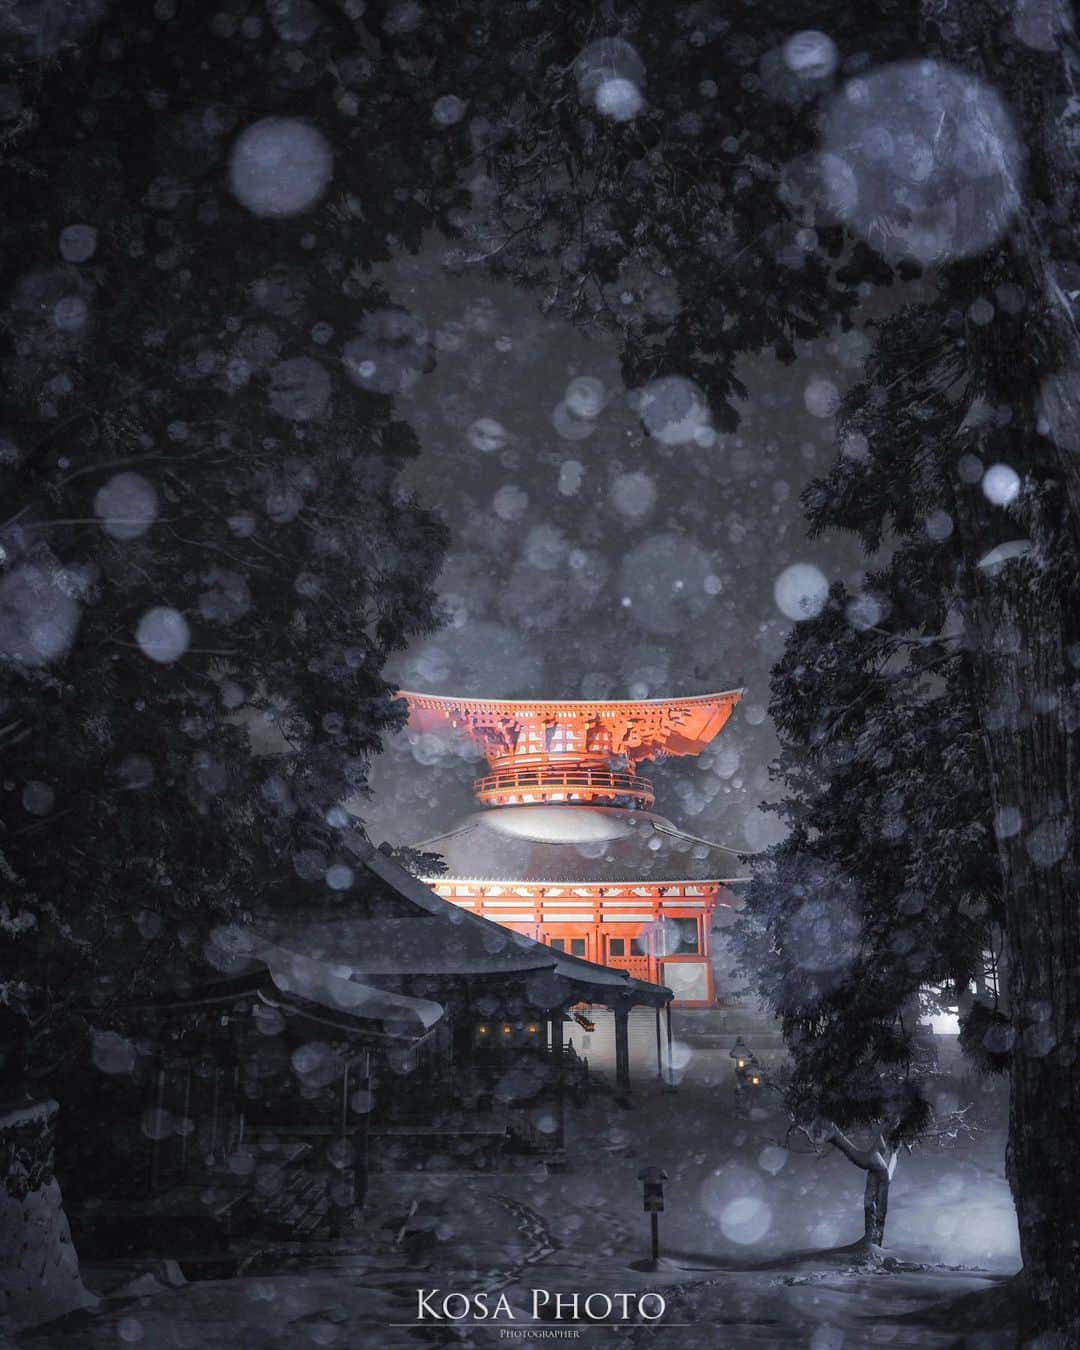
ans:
x=552 y=537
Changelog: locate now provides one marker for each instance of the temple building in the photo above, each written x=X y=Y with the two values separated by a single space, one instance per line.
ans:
x=566 y=848
x=334 y=1038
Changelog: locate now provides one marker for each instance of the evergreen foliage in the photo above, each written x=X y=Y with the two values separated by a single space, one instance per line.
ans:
x=205 y=519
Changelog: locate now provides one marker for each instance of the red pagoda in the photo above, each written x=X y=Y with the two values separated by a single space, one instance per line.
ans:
x=568 y=850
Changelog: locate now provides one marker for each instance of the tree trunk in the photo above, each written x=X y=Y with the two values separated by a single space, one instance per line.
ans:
x=1034 y=768
x=876 y=1205
x=879 y=1163
x=1026 y=630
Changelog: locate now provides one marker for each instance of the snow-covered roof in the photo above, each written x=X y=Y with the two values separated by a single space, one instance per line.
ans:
x=592 y=707
x=297 y=976
x=425 y=936
x=13 y=1115
x=608 y=980
x=596 y=983
x=421 y=946
x=247 y=965
x=577 y=843
x=328 y=953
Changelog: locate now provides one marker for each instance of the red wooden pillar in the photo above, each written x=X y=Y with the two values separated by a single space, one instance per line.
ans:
x=622 y=1045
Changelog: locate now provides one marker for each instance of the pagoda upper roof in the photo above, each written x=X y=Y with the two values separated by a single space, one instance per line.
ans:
x=641 y=728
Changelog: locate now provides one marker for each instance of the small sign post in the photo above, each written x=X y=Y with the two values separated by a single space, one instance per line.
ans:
x=653 y=1178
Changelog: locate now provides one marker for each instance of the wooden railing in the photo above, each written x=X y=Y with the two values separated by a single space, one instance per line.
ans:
x=547 y=781
x=636 y=966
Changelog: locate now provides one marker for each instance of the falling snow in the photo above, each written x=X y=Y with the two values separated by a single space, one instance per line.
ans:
x=542 y=354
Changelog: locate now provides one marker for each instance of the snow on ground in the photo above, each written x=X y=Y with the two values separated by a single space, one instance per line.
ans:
x=737 y=1207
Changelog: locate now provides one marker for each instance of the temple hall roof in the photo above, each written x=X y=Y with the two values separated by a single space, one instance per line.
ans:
x=393 y=925
x=312 y=989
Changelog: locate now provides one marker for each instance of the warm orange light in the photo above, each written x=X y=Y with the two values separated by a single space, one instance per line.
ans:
x=482 y=1030
x=506 y=1031
x=558 y=750
x=532 y=1030
x=755 y=1081
x=741 y=1063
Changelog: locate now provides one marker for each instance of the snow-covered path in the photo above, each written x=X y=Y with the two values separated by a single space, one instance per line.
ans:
x=349 y=1305
x=735 y=1205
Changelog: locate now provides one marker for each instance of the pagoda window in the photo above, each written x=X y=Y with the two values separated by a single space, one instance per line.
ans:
x=616 y=946
x=577 y=946
x=558 y=944
x=680 y=937
x=639 y=946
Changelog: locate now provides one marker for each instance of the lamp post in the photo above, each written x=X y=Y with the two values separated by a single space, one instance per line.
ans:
x=749 y=1075
x=652 y=1179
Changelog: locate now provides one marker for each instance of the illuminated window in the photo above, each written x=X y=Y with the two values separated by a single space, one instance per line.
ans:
x=680 y=937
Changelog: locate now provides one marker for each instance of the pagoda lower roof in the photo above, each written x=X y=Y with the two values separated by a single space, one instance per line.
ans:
x=576 y=845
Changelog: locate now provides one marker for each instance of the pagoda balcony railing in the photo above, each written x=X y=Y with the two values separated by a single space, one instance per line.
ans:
x=551 y=782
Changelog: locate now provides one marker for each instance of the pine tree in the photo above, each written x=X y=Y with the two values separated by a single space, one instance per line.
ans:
x=883 y=900
x=975 y=393
x=208 y=554
x=1021 y=406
